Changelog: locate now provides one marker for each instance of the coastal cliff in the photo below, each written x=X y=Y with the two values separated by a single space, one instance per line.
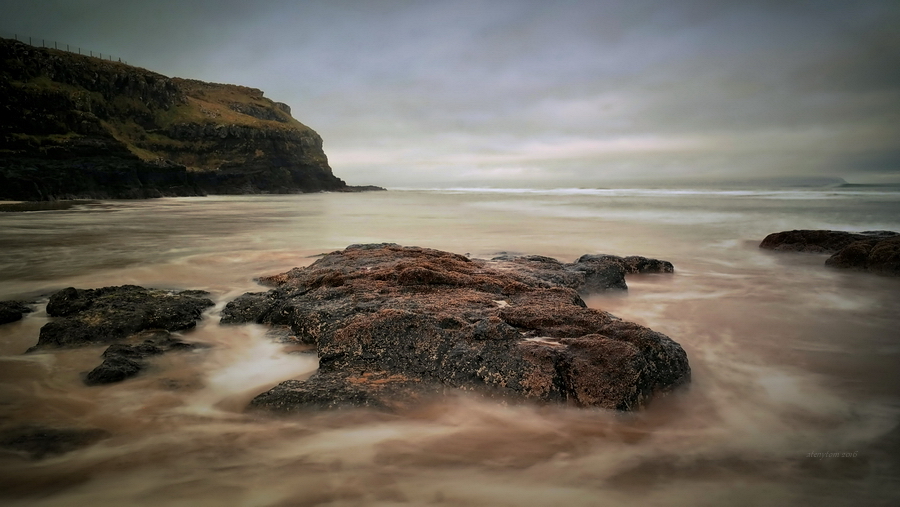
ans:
x=74 y=126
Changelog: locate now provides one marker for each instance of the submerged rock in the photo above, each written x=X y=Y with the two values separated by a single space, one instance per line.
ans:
x=392 y=323
x=11 y=311
x=873 y=251
x=38 y=442
x=109 y=314
x=123 y=360
x=343 y=389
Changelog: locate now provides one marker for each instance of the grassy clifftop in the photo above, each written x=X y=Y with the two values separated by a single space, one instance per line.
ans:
x=73 y=126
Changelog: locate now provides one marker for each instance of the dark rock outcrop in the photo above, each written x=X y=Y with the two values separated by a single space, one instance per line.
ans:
x=818 y=241
x=874 y=251
x=38 y=442
x=392 y=321
x=375 y=389
x=77 y=127
x=879 y=256
x=125 y=360
x=11 y=311
x=110 y=314
x=98 y=167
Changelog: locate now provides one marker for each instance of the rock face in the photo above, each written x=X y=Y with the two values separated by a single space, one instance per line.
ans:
x=11 y=311
x=73 y=126
x=87 y=167
x=141 y=318
x=394 y=323
x=874 y=251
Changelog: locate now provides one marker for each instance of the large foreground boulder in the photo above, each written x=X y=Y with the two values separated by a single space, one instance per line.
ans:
x=392 y=323
x=874 y=251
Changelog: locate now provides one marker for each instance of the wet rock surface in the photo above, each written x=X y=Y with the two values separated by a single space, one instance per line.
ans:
x=346 y=389
x=873 y=251
x=11 y=311
x=110 y=314
x=880 y=256
x=125 y=360
x=137 y=322
x=392 y=323
x=819 y=241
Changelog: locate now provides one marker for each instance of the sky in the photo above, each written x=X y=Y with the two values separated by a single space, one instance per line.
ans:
x=535 y=93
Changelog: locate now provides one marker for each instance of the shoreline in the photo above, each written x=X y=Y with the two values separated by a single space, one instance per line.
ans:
x=22 y=206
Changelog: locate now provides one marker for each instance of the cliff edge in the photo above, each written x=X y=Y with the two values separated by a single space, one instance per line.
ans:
x=74 y=126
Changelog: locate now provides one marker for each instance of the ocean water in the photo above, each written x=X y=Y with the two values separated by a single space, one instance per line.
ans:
x=795 y=398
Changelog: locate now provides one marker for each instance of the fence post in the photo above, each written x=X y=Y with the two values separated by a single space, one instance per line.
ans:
x=56 y=45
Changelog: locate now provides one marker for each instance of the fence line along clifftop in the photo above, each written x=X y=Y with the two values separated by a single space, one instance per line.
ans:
x=52 y=44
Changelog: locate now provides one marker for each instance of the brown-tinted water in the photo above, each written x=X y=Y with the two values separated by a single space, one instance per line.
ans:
x=795 y=397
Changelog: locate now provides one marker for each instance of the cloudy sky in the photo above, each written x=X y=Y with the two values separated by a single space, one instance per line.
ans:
x=540 y=94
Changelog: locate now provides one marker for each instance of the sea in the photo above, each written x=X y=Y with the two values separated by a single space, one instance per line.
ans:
x=795 y=397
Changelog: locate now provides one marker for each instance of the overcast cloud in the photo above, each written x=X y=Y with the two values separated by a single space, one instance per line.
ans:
x=578 y=93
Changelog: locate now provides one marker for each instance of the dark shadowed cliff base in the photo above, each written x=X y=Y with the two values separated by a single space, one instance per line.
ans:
x=78 y=127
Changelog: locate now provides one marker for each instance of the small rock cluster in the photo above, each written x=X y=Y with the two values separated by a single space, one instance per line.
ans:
x=136 y=322
x=874 y=251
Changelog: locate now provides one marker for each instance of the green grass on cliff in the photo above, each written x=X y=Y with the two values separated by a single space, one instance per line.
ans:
x=213 y=103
